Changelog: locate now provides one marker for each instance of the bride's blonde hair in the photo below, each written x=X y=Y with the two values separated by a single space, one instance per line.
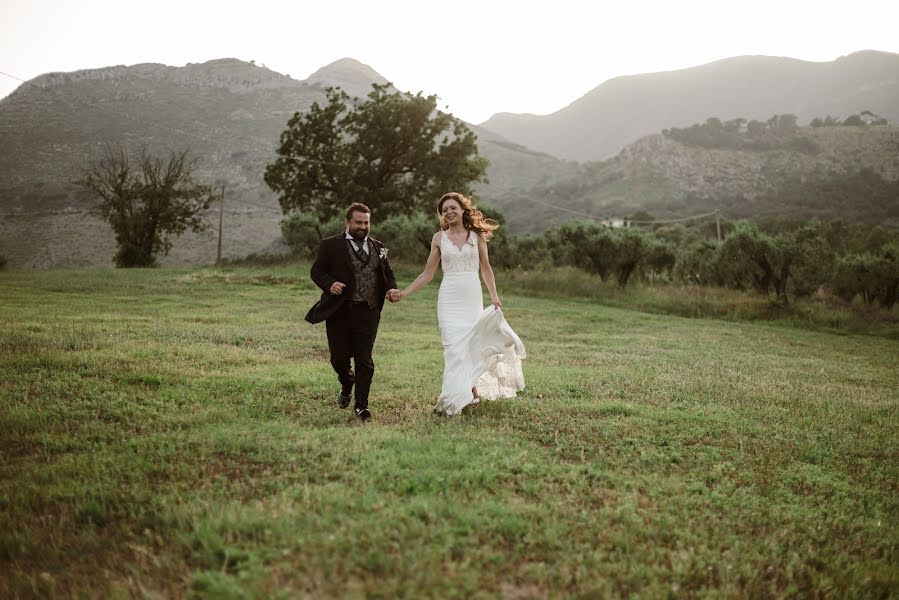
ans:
x=472 y=218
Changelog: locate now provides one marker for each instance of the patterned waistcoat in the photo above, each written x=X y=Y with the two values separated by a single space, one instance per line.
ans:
x=366 y=276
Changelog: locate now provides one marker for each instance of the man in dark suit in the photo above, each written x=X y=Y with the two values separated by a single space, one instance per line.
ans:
x=355 y=277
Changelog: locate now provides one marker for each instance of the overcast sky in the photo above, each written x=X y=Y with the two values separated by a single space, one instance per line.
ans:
x=480 y=57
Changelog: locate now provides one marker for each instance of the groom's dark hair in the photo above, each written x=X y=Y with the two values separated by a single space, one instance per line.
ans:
x=356 y=207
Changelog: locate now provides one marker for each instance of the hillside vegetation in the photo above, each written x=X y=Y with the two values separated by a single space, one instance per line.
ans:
x=823 y=172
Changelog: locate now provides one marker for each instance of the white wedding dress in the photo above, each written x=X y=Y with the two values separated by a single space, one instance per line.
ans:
x=479 y=347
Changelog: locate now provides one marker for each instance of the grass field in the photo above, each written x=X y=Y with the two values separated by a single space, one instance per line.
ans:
x=172 y=433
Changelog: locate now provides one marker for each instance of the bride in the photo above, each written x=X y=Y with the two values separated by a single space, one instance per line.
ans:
x=482 y=355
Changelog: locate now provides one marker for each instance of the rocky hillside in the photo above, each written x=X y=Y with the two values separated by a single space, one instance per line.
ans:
x=623 y=110
x=850 y=172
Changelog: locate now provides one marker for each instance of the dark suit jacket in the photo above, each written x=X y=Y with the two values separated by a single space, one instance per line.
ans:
x=333 y=264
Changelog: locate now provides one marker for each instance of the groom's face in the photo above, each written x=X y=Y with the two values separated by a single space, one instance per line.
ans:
x=358 y=224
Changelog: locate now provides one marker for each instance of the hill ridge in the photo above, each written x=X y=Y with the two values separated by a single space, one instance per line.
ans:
x=623 y=109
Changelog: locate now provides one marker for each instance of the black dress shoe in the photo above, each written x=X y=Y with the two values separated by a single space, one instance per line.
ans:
x=363 y=414
x=343 y=398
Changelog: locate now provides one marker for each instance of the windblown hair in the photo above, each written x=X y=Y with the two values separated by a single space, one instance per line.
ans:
x=356 y=207
x=472 y=218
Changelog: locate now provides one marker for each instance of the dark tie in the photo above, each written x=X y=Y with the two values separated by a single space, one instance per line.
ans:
x=360 y=254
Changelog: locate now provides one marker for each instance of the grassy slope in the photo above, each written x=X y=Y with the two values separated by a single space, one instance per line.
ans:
x=175 y=431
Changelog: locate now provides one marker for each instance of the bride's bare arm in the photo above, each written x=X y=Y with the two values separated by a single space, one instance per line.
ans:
x=487 y=272
x=430 y=268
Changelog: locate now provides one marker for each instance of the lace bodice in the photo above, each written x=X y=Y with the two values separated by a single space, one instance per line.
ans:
x=455 y=260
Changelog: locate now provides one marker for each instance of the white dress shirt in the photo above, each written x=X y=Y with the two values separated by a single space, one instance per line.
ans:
x=356 y=244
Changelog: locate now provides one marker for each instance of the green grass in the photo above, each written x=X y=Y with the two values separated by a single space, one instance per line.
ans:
x=172 y=433
x=822 y=311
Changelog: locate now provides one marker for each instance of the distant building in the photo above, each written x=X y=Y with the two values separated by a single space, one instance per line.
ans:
x=615 y=222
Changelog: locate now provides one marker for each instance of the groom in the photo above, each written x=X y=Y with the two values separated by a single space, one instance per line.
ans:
x=353 y=272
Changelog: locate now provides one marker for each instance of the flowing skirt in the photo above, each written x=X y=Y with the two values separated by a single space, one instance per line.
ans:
x=480 y=349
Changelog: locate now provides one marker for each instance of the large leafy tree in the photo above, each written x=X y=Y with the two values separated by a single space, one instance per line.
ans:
x=393 y=151
x=790 y=258
x=146 y=203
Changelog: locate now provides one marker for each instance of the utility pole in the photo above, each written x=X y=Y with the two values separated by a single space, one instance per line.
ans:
x=218 y=257
x=718 y=224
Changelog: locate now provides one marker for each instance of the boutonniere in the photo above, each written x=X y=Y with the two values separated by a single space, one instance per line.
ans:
x=382 y=253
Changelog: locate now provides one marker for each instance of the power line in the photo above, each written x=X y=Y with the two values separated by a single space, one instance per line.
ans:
x=629 y=221
x=680 y=220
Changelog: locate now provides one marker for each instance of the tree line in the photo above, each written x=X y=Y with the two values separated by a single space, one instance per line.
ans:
x=780 y=132
x=776 y=258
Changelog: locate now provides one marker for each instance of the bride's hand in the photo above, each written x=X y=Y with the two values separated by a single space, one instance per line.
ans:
x=497 y=304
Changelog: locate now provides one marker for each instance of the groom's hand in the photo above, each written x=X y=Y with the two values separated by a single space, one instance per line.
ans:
x=337 y=288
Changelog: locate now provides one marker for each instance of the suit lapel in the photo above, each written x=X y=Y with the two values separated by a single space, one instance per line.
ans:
x=345 y=253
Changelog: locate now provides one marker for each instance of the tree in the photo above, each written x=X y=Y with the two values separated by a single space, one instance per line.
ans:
x=146 y=204
x=777 y=259
x=874 y=276
x=755 y=128
x=584 y=244
x=787 y=123
x=396 y=152
x=303 y=231
x=635 y=249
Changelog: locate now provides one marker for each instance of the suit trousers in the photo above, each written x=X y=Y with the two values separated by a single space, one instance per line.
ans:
x=351 y=334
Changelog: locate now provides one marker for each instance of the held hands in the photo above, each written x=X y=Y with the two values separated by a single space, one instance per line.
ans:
x=394 y=295
x=337 y=288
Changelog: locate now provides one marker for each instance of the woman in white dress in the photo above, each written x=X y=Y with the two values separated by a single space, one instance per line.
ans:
x=482 y=354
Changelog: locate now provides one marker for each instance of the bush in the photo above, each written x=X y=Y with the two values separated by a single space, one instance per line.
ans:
x=2 y=262
x=584 y=244
x=407 y=236
x=527 y=251
x=871 y=276
x=303 y=231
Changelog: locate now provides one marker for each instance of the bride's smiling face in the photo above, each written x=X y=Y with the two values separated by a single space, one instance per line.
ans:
x=451 y=212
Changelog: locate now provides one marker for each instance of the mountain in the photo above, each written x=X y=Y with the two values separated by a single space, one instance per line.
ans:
x=227 y=112
x=622 y=110
x=230 y=114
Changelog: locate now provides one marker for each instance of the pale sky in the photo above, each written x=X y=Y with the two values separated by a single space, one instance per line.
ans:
x=480 y=57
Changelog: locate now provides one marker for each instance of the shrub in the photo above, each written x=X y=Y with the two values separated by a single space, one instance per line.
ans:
x=407 y=236
x=871 y=276
x=303 y=231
